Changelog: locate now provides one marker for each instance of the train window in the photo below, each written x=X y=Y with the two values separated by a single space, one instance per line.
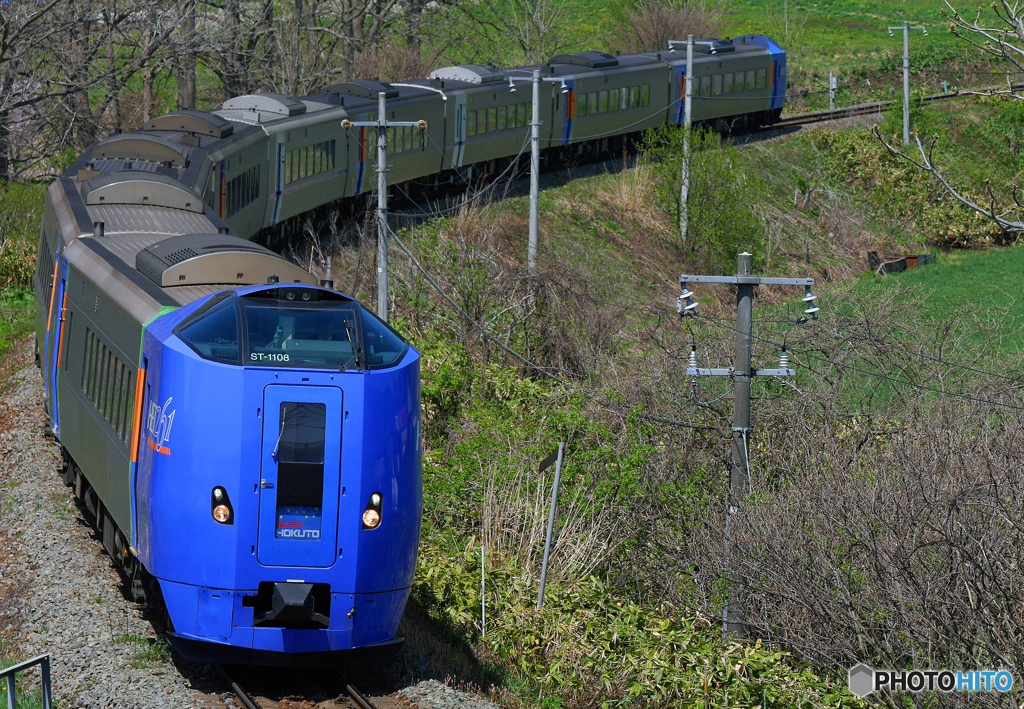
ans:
x=67 y=338
x=87 y=364
x=602 y=102
x=623 y=98
x=613 y=100
x=727 y=83
x=383 y=346
x=705 y=86
x=581 y=105
x=300 y=459
x=750 y=80
x=634 y=96
x=299 y=337
x=318 y=159
x=287 y=168
x=213 y=330
x=521 y=114
x=124 y=428
x=501 y=118
x=391 y=139
x=716 y=85
x=762 y=78
x=309 y=161
x=645 y=95
x=407 y=137
x=492 y=120
x=330 y=165
x=471 y=124
x=115 y=399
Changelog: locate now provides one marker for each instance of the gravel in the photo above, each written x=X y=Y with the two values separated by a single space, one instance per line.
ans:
x=61 y=594
x=431 y=694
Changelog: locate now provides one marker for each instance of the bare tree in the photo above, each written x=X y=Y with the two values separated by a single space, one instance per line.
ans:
x=520 y=31
x=651 y=25
x=1002 y=38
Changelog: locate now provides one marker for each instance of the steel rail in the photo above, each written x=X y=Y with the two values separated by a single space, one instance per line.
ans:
x=355 y=695
x=800 y=119
x=242 y=695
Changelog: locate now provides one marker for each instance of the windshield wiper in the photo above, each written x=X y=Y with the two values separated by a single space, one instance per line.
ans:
x=352 y=340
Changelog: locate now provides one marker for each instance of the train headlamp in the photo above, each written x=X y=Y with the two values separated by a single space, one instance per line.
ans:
x=305 y=295
x=220 y=506
x=371 y=515
x=290 y=295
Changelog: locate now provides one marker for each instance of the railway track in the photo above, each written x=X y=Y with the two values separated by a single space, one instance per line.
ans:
x=306 y=690
x=863 y=109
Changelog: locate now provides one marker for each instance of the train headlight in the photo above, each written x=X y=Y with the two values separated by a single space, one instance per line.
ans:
x=220 y=506
x=371 y=515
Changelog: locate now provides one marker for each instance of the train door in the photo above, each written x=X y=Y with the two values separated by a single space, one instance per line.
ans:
x=300 y=476
x=55 y=321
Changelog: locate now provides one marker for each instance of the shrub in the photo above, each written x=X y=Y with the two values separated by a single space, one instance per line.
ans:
x=724 y=201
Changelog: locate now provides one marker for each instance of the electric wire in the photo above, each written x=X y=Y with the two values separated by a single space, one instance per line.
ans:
x=486 y=335
x=879 y=375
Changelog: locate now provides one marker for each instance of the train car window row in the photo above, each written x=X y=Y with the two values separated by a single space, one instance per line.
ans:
x=108 y=385
x=308 y=160
x=490 y=120
x=589 y=104
x=242 y=190
x=731 y=82
x=44 y=270
x=403 y=138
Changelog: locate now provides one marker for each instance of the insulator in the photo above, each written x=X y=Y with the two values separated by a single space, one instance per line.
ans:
x=783 y=359
x=693 y=357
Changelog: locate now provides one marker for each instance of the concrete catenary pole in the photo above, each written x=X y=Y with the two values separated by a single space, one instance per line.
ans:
x=382 y=208
x=740 y=424
x=534 y=174
x=906 y=83
x=906 y=75
x=684 y=190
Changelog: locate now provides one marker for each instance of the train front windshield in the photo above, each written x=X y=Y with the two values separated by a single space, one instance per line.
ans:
x=327 y=331
x=282 y=336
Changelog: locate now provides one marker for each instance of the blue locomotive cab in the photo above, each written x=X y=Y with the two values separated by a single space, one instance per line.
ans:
x=283 y=441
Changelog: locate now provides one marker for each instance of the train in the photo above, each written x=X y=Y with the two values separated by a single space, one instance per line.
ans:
x=245 y=437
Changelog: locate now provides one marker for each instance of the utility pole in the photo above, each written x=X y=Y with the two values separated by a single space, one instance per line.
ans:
x=382 y=125
x=535 y=79
x=906 y=75
x=684 y=190
x=742 y=374
x=534 y=174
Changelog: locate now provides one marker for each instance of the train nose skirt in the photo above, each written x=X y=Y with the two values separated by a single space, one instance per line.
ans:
x=292 y=605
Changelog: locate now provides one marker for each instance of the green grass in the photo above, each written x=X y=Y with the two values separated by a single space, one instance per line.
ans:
x=982 y=283
x=16 y=310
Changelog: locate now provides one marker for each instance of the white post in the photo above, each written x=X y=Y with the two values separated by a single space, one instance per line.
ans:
x=906 y=83
x=382 y=208
x=831 y=92
x=551 y=524
x=534 y=174
x=684 y=190
x=483 y=587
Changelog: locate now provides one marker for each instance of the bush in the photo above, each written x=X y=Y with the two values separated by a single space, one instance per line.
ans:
x=725 y=202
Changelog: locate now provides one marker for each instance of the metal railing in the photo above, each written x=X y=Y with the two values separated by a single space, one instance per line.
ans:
x=11 y=672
